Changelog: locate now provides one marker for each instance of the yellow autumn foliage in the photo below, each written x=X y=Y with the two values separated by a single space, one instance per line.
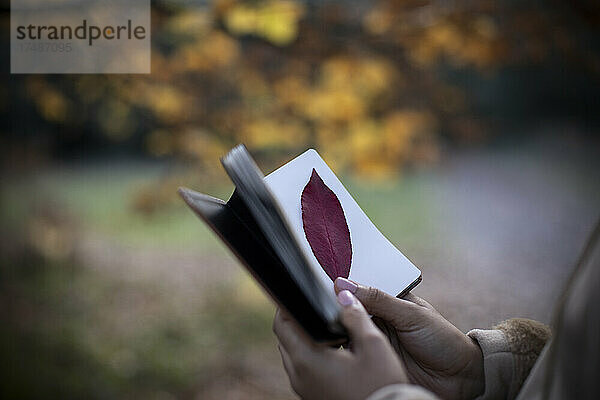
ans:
x=270 y=134
x=365 y=76
x=191 y=22
x=331 y=140
x=168 y=103
x=334 y=105
x=371 y=90
x=275 y=20
x=207 y=53
x=198 y=143
x=51 y=103
x=293 y=91
x=115 y=119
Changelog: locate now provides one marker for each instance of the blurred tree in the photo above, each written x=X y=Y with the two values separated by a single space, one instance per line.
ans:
x=375 y=86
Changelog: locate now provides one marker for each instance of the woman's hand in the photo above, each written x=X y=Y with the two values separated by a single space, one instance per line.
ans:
x=320 y=372
x=436 y=354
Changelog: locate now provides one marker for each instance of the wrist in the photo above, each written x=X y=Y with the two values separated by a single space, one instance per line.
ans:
x=475 y=377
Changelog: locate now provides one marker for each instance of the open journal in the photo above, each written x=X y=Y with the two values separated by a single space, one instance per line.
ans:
x=296 y=230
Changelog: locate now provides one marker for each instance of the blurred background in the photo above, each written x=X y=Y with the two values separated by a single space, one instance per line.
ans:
x=467 y=130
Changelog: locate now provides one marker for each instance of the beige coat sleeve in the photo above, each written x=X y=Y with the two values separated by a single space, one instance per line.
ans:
x=509 y=352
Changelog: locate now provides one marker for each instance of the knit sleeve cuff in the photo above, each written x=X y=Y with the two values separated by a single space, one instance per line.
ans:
x=497 y=363
x=526 y=339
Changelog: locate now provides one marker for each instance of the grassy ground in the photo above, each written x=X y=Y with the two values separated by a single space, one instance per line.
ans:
x=100 y=199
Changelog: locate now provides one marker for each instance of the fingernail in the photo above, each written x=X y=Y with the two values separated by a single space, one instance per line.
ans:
x=345 y=298
x=345 y=284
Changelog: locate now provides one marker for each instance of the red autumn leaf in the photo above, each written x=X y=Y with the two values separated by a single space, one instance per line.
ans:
x=325 y=228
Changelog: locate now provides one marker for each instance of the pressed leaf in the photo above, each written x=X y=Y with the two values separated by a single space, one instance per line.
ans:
x=325 y=227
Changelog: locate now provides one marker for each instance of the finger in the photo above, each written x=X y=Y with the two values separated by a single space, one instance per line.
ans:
x=290 y=336
x=390 y=331
x=417 y=300
x=361 y=329
x=376 y=302
x=283 y=314
x=287 y=363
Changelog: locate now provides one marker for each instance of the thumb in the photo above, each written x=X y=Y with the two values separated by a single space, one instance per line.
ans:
x=377 y=302
x=355 y=318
